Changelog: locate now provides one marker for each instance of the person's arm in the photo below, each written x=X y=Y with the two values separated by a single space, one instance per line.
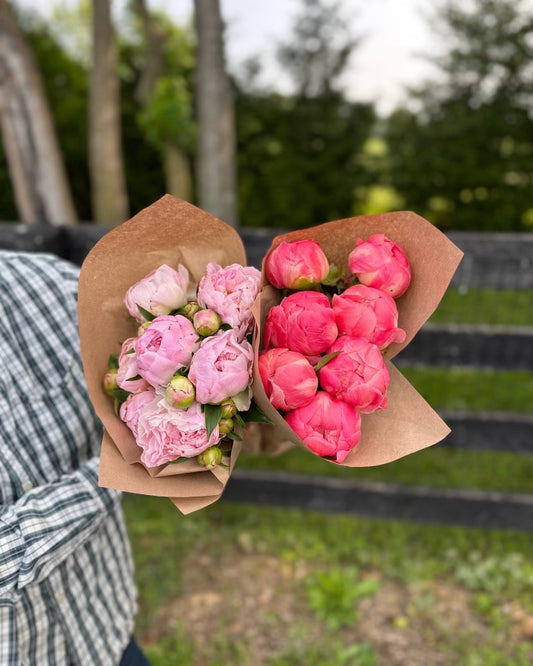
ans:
x=47 y=524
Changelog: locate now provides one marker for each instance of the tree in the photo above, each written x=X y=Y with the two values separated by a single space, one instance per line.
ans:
x=109 y=195
x=166 y=103
x=298 y=153
x=216 y=160
x=463 y=156
x=40 y=184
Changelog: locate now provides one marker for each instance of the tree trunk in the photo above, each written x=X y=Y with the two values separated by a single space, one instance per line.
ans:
x=41 y=188
x=216 y=176
x=109 y=195
x=177 y=172
x=176 y=164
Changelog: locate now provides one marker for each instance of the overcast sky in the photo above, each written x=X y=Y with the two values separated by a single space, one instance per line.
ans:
x=394 y=31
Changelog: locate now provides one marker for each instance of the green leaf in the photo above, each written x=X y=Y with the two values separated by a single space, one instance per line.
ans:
x=333 y=276
x=119 y=394
x=225 y=327
x=112 y=361
x=213 y=414
x=179 y=460
x=325 y=359
x=145 y=313
x=239 y=419
x=255 y=415
x=234 y=436
x=134 y=379
x=116 y=406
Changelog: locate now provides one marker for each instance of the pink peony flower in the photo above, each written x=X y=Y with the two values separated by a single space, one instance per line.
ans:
x=128 y=368
x=329 y=427
x=358 y=375
x=365 y=312
x=303 y=322
x=230 y=292
x=130 y=408
x=166 y=433
x=288 y=378
x=296 y=265
x=379 y=262
x=166 y=346
x=160 y=292
x=221 y=368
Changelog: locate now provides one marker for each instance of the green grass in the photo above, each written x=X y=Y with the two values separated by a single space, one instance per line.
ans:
x=439 y=467
x=402 y=551
x=473 y=389
x=494 y=566
x=486 y=306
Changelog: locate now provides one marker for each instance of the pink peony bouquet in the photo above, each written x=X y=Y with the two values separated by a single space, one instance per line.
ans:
x=183 y=384
x=165 y=318
x=337 y=303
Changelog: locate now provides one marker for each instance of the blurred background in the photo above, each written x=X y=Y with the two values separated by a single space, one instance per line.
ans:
x=283 y=115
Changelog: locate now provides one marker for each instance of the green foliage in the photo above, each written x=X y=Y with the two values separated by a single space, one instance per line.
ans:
x=509 y=575
x=332 y=595
x=168 y=115
x=331 y=652
x=296 y=158
x=463 y=158
x=297 y=153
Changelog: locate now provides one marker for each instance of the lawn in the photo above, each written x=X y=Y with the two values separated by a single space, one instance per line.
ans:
x=502 y=307
x=248 y=585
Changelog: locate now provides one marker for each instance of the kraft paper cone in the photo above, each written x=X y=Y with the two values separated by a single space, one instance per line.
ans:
x=409 y=424
x=171 y=232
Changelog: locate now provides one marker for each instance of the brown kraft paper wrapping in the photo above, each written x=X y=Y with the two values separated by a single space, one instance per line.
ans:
x=409 y=424
x=170 y=231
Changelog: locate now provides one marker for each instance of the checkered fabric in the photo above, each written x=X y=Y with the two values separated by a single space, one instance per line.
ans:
x=67 y=594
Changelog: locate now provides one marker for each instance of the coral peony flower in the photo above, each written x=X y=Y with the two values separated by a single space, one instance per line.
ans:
x=302 y=322
x=365 y=312
x=230 y=292
x=130 y=408
x=379 y=262
x=358 y=375
x=288 y=378
x=160 y=292
x=329 y=427
x=128 y=368
x=296 y=265
x=166 y=433
x=221 y=368
x=166 y=346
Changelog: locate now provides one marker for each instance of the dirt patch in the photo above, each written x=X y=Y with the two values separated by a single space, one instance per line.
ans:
x=259 y=603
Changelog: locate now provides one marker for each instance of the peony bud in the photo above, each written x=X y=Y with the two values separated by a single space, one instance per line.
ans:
x=225 y=426
x=206 y=322
x=229 y=409
x=142 y=328
x=296 y=265
x=211 y=457
x=110 y=380
x=180 y=392
x=190 y=309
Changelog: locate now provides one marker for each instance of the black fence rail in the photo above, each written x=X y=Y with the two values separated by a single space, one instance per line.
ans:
x=497 y=261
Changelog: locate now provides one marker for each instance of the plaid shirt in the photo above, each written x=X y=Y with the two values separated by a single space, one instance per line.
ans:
x=67 y=594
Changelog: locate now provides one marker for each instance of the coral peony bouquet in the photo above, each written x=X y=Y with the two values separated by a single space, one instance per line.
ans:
x=337 y=303
x=183 y=384
x=323 y=363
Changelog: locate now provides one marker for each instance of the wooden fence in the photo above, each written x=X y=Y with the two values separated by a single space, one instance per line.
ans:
x=499 y=261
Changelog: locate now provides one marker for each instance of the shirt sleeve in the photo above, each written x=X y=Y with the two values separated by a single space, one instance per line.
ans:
x=41 y=529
